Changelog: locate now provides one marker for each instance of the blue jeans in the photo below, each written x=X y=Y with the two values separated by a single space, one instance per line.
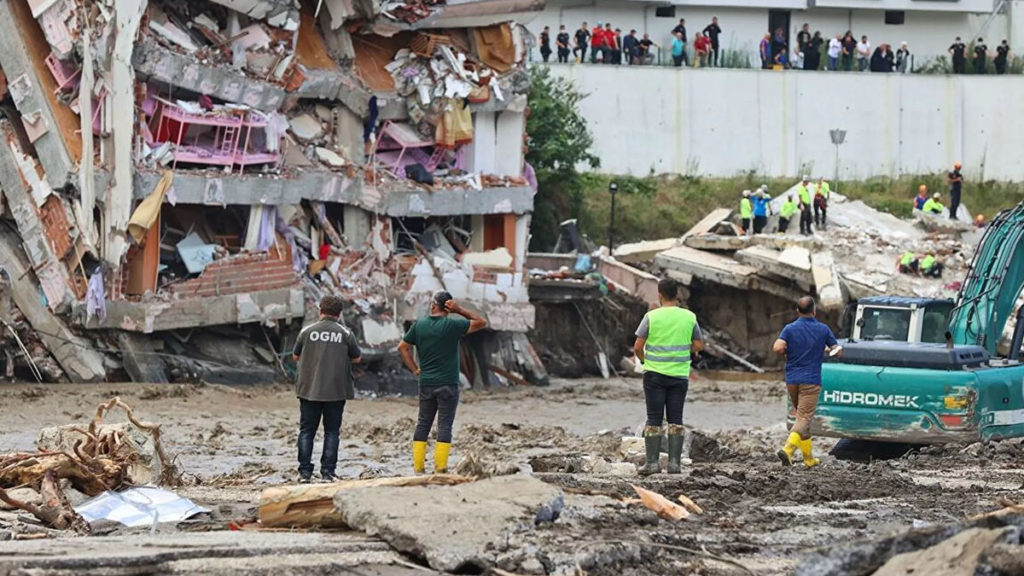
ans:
x=833 y=63
x=310 y=414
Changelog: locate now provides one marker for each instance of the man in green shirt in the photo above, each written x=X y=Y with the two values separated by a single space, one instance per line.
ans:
x=804 y=190
x=789 y=208
x=436 y=338
x=746 y=210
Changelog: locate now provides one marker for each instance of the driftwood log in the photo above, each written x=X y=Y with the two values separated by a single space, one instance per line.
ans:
x=312 y=505
x=98 y=462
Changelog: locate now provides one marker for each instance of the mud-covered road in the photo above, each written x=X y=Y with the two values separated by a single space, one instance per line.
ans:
x=233 y=442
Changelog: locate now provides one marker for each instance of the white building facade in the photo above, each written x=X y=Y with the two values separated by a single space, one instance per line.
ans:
x=929 y=27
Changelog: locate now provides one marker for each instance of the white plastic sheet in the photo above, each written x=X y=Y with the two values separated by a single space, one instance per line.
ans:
x=139 y=506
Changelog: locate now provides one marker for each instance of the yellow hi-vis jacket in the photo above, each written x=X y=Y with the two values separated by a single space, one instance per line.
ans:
x=669 y=337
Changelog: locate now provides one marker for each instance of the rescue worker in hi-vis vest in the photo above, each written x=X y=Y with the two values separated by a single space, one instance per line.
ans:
x=665 y=341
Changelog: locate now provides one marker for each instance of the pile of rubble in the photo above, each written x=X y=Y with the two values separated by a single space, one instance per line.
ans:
x=172 y=166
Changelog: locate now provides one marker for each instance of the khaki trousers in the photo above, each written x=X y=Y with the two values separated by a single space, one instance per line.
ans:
x=805 y=401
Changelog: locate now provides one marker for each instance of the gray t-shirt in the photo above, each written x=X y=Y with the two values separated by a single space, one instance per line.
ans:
x=645 y=328
x=325 y=350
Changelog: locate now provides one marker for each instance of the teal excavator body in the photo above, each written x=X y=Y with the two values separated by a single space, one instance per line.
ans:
x=929 y=371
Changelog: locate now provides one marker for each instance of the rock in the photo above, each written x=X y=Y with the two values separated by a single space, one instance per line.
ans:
x=306 y=128
x=957 y=556
x=329 y=157
x=622 y=469
x=451 y=526
x=23 y=494
x=631 y=446
x=532 y=566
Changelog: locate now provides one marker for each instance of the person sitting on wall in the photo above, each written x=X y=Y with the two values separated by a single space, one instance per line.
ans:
x=934 y=204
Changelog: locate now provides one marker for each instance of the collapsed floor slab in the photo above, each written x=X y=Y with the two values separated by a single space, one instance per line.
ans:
x=451 y=526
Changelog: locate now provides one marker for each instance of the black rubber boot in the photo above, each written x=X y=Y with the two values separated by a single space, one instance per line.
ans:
x=652 y=445
x=675 y=449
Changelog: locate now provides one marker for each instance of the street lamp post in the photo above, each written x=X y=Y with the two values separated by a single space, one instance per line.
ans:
x=612 y=189
x=838 y=137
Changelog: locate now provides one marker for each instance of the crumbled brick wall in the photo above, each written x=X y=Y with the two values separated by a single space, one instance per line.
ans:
x=242 y=273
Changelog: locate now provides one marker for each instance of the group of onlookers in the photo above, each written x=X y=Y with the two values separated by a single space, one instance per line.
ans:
x=609 y=45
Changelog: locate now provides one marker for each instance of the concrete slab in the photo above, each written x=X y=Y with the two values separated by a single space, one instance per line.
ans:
x=214 y=188
x=451 y=526
x=709 y=222
x=152 y=60
x=771 y=261
x=641 y=284
x=643 y=251
x=156 y=316
x=76 y=356
x=827 y=281
x=707 y=266
x=224 y=552
x=717 y=243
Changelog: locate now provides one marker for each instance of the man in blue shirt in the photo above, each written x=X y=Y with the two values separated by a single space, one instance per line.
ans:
x=762 y=204
x=804 y=343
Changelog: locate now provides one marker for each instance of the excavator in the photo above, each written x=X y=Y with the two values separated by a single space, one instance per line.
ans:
x=928 y=371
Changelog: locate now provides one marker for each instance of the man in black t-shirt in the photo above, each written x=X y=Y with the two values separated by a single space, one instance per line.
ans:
x=1002 y=55
x=980 y=56
x=803 y=39
x=582 y=41
x=956 y=186
x=545 y=43
x=562 y=44
x=712 y=31
x=643 y=48
x=959 y=52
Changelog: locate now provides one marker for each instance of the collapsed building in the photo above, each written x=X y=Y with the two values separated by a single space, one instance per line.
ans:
x=169 y=166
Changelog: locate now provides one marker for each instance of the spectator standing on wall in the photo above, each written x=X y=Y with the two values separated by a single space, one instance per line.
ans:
x=545 y=43
x=812 y=55
x=849 y=50
x=562 y=44
x=835 y=50
x=611 y=44
x=980 y=56
x=582 y=39
x=597 y=43
x=702 y=48
x=880 y=62
x=959 y=52
x=678 y=53
x=681 y=31
x=779 y=47
x=803 y=39
x=1002 y=56
x=629 y=45
x=903 y=58
x=863 y=53
x=712 y=31
x=765 y=51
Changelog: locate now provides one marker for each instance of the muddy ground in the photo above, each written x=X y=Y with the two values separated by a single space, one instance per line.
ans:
x=234 y=442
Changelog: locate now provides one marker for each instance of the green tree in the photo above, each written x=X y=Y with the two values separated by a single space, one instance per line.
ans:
x=559 y=143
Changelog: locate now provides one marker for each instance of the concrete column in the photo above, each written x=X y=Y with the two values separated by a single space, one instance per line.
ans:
x=1015 y=25
x=508 y=143
x=358 y=223
x=348 y=131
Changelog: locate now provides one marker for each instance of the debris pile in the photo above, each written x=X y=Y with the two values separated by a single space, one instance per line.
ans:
x=173 y=166
x=91 y=460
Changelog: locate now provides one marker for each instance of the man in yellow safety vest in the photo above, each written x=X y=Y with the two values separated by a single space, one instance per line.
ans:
x=804 y=191
x=789 y=208
x=746 y=209
x=665 y=340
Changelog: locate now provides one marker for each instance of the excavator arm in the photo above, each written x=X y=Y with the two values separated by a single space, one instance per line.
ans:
x=993 y=284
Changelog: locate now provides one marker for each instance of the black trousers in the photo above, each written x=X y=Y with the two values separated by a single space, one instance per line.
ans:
x=759 y=223
x=954 y=204
x=582 y=51
x=545 y=54
x=820 y=212
x=440 y=401
x=959 y=66
x=745 y=224
x=665 y=397
x=783 y=224
x=805 y=219
x=563 y=55
x=311 y=412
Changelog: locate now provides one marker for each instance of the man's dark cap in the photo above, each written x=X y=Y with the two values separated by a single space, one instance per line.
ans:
x=441 y=297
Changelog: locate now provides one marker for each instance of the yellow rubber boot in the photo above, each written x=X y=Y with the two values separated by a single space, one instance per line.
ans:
x=786 y=454
x=419 y=457
x=441 y=450
x=809 y=460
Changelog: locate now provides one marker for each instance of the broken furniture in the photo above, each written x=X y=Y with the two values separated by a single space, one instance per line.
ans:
x=399 y=146
x=174 y=123
x=255 y=150
x=64 y=73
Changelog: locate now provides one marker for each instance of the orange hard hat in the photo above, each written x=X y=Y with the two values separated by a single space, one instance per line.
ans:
x=957 y=165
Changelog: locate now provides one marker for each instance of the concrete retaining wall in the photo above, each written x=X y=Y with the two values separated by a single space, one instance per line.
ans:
x=727 y=122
